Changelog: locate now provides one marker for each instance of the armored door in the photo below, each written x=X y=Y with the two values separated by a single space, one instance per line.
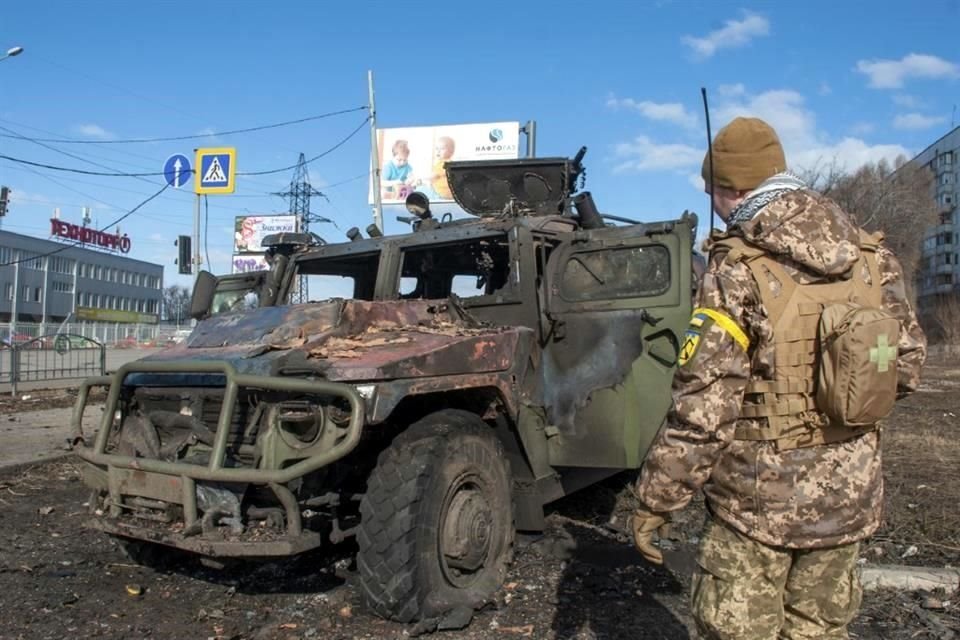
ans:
x=618 y=300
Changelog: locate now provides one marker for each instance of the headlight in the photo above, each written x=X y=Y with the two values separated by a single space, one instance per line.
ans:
x=300 y=423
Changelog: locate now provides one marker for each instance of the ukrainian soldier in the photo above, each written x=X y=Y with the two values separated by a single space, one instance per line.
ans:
x=801 y=339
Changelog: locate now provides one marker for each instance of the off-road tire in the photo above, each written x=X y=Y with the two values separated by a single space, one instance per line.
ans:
x=445 y=473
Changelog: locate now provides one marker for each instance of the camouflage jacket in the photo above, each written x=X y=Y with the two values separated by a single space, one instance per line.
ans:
x=801 y=498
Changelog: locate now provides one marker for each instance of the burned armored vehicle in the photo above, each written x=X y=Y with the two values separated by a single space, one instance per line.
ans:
x=434 y=390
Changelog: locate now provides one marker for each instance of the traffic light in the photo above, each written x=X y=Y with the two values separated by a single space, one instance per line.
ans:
x=4 y=200
x=183 y=254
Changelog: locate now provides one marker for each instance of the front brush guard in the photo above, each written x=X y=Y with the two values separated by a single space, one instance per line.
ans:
x=175 y=482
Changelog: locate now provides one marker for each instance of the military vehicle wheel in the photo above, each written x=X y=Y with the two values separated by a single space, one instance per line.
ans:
x=436 y=529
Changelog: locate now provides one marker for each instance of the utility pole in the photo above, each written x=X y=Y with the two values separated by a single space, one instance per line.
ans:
x=375 y=158
x=298 y=197
x=196 y=241
x=14 y=312
x=531 y=130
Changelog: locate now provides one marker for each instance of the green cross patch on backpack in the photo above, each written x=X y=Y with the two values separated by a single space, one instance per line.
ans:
x=857 y=375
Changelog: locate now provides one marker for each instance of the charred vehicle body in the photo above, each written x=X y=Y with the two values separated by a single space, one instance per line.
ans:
x=436 y=391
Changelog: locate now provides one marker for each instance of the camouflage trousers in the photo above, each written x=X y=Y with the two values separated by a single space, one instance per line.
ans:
x=744 y=589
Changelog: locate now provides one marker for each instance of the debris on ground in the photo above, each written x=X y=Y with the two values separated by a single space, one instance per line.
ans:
x=577 y=580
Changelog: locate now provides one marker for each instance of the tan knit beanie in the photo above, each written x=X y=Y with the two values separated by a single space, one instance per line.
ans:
x=745 y=153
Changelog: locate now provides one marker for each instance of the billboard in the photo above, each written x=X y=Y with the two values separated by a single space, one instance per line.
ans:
x=249 y=231
x=249 y=262
x=412 y=158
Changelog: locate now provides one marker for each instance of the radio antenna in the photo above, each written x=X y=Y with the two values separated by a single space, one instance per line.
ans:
x=706 y=115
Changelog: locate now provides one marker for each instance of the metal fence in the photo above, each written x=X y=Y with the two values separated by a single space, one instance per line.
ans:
x=111 y=334
x=54 y=356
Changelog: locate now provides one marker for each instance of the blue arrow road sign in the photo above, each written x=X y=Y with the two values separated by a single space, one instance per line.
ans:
x=177 y=170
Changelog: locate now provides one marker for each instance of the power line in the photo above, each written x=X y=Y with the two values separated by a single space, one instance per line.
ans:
x=13 y=134
x=200 y=135
x=112 y=150
x=60 y=151
x=76 y=244
x=316 y=157
x=348 y=180
x=78 y=72
x=80 y=171
x=71 y=155
x=173 y=196
x=55 y=150
x=85 y=195
x=156 y=174
x=52 y=133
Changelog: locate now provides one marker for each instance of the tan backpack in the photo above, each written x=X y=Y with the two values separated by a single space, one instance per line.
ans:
x=835 y=351
x=857 y=374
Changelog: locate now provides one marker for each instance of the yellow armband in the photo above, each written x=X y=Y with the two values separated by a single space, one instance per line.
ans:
x=724 y=322
x=701 y=320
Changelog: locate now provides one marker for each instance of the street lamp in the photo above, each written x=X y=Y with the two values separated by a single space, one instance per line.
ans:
x=11 y=52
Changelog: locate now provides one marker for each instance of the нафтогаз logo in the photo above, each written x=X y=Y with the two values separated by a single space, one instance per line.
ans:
x=496 y=135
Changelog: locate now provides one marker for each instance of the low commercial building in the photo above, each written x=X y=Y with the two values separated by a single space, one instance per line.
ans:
x=45 y=283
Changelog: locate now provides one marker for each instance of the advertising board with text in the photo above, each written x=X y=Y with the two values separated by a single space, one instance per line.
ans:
x=249 y=231
x=246 y=262
x=412 y=158
x=115 y=315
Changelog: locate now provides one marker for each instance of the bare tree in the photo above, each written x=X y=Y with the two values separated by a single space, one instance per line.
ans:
x=176 y=303
x=897 y=199
x=946 y=321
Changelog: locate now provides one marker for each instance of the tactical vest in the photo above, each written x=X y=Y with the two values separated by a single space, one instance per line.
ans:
x=784 y=409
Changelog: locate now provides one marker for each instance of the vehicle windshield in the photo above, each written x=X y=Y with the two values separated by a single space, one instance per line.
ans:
x=227 y=301
x=239 y=292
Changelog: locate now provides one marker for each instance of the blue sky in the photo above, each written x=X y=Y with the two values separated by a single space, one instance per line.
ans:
x=841 y=81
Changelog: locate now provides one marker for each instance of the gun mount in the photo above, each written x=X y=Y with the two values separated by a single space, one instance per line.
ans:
x=527 y=186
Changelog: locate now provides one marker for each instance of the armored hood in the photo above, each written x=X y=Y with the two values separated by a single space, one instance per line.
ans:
x=799 y=223
x=353 y=340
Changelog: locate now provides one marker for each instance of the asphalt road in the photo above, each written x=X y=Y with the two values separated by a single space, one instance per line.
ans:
x=33 y=436
x=41 y=434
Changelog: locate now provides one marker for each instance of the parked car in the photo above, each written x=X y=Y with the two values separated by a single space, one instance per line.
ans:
x=19 y=339
x=63 y=342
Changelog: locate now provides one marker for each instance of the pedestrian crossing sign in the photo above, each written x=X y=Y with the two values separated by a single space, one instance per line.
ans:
x=216 y=170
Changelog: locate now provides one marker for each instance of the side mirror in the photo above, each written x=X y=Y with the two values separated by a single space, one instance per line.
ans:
x=202 y=296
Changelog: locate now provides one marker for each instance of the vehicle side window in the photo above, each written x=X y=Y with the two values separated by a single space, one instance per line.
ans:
x=323 y=287
x=467 y=286
x=472 y=268
x=626 y=272
x=338 y=276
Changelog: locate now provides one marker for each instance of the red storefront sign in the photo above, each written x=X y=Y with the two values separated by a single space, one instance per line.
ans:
x=87 y=235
